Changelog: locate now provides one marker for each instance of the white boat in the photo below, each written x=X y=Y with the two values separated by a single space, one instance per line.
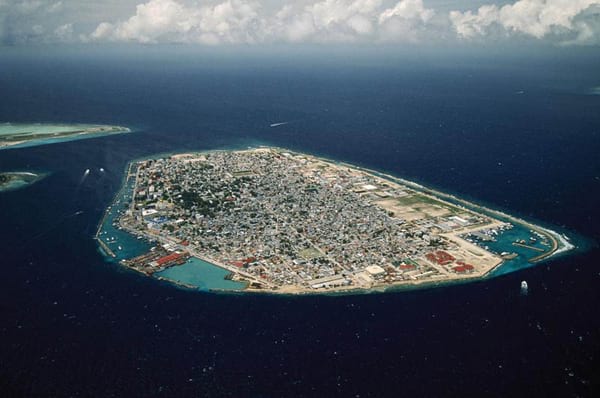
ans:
x=524 y=287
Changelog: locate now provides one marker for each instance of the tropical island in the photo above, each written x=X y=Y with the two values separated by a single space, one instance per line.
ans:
x=287 y=222
x=13 y=180
x=15 y=135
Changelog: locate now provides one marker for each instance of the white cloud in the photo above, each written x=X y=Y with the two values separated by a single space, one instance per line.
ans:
x=64 y=33
x=535 y=18
x=407 y=9
x=408 y=20
x=326 y=21
x=231 y=21
x=153 y=20
x=468 y=25
x=103 y=31
x=215 y=22
x=244 y=21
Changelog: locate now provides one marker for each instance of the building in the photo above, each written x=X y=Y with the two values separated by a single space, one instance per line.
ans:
x=375 y=271
x=328 y=281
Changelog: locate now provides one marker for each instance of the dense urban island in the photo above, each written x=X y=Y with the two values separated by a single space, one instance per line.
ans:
x=287 y=222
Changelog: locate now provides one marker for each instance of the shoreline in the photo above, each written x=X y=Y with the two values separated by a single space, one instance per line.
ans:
x=560 y=243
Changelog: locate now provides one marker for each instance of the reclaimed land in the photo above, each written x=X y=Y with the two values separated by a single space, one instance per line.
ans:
x=292 y=223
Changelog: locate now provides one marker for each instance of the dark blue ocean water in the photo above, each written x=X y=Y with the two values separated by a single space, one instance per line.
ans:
x=517 y=132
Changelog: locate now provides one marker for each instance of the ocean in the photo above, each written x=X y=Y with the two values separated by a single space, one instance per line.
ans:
x=519 y=133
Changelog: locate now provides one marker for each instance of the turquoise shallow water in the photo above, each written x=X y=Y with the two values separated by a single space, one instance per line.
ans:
x=200 y=274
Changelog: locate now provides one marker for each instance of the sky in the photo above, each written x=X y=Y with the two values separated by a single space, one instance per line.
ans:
x=260 y=22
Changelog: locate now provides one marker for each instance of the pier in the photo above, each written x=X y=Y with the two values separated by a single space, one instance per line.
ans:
x=537 y=249
x=549 y=252
x=105 y=247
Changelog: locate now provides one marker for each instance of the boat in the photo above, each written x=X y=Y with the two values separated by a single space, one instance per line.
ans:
x=508 y=255
x=524 y=287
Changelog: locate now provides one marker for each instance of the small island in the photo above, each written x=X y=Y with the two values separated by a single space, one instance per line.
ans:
x=285 y=222
x=14 y=135
x=10 y=181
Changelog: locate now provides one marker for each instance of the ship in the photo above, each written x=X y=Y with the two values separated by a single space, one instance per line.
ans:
x=524 y=288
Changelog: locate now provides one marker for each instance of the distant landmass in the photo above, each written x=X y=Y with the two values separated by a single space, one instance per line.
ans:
x=14 y=135
x=9 y=181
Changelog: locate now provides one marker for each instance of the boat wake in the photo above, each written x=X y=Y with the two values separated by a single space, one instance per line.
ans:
x=85 y=174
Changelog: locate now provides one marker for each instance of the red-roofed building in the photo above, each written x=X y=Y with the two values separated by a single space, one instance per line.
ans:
x=440 y=257
x=463 y=267
x=168 y=259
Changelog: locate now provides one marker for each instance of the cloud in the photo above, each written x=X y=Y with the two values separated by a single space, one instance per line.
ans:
x=64 y=33
x=326 y=21
x=533 y=18
x=245 y=21
x=152 y=21
x=214 y=22
x=587 y=26
x=231 y=21
x=23 y=21
x=407 y=9
x=409 y=20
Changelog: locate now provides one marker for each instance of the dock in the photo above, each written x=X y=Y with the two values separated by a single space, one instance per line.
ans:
x=157 y=259
x=554 y=247
x=537 y=249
